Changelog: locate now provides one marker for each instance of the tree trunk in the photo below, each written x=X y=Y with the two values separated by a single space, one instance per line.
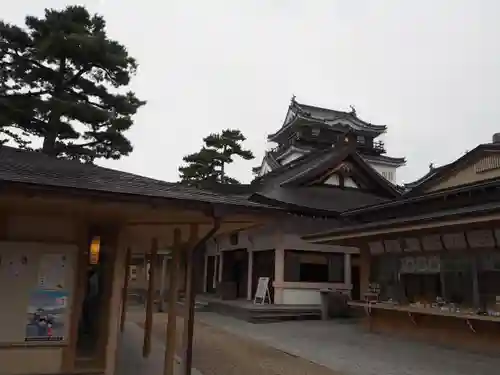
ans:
x=222 y=166
x=49 y=140
x=49 y=144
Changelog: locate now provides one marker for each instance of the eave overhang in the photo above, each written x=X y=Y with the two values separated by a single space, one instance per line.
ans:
x=347 y=123
x=396 y=227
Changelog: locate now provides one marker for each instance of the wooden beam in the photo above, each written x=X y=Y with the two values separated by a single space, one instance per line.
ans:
x=126 y=278
x=169 y=360
x=148 y=323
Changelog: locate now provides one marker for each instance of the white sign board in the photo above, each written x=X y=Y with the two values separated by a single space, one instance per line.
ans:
x=262 y=293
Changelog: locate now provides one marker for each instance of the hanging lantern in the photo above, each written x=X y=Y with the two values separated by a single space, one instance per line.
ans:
x=95 y=248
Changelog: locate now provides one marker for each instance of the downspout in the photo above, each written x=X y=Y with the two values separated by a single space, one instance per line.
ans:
x=196 y=255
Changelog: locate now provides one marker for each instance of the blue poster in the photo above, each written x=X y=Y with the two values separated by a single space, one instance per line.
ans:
x=46 y=315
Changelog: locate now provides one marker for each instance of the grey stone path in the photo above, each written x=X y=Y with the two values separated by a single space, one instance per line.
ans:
x=129 y=359
x=346 y=347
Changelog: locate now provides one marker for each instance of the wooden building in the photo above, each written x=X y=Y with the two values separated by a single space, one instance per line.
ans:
x=430 y=259
x=326 y=162
x=67 y=230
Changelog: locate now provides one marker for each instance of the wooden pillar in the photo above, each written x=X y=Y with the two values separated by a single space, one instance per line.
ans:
x=148 y=323
x=108 y=260
x=80 y=287
x=249 y=275
x=279 y=267
x=126 y=278
x=170 y=340
x=347 y=272
x=113 y=319
x=221 y=267
x=364 y=269
x=205 y=273
x=193 y=255
x=161 y=302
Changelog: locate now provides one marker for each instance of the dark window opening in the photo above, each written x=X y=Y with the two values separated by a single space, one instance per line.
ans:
x=315 y=273
x=233 y=239
x=314 y=267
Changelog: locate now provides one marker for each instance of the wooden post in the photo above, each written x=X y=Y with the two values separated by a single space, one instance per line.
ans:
x=249 y=275
x=108 y=262
x=364 y=269
x=148 y=323
x=192 y=256
x=80 y=272
x=161 y=302
x=126 y=278
x=170 y=339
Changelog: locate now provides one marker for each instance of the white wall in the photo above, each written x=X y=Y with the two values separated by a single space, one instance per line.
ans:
x=255 y=241
x=387 y=171
x=307 y=293
x=246 y=240
x=265 y=168
x=271 y=238
x=289 y=158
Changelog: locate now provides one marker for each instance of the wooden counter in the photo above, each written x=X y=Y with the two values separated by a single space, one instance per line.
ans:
x=468 y=331
x=425 y=311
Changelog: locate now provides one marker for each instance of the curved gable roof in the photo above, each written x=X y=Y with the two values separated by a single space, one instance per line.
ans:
x=328 y=117
x=438 y=175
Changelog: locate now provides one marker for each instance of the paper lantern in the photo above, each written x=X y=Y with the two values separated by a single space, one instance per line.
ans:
x=95 y=248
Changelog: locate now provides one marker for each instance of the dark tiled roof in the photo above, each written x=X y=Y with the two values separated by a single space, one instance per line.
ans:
x=35 y=168
x=289 y=169
x=241 y=190
x=427 y=176
x=284 y=186
x=325 y=116
x=321 y=198
x=335 y=157
x=299 y=225
x=330 y=114
x=384 y=158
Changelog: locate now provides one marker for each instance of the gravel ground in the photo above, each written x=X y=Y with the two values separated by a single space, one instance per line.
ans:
x=218 y=352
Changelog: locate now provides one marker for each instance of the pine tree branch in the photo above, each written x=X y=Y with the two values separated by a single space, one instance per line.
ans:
x=85 y=99
x=27 y=59
x=24 y=94
x=73 y=80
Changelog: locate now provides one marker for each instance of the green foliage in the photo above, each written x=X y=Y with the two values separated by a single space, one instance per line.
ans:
x=59 y=80
x=207 y=167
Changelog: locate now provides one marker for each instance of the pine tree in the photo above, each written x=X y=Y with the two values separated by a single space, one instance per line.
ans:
x=207 y=167
x=59 y=81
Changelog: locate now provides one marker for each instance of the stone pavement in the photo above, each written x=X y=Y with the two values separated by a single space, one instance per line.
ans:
x=347 y=348
x=129 y=359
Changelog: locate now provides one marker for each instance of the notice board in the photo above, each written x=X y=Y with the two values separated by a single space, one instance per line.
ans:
x=36 y=285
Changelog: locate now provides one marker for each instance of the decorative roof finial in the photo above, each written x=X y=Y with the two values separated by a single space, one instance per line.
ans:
x=353 y=110
x=431 y=166
x=293 y=98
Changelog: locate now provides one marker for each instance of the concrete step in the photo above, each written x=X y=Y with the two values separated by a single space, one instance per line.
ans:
x=264 y=314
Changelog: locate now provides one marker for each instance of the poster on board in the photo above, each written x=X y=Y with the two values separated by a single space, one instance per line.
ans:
x=13 y=265
x=52 y=271
x=46 y=315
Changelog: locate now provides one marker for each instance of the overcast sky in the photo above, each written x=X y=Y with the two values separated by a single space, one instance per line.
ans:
x=428 y=69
